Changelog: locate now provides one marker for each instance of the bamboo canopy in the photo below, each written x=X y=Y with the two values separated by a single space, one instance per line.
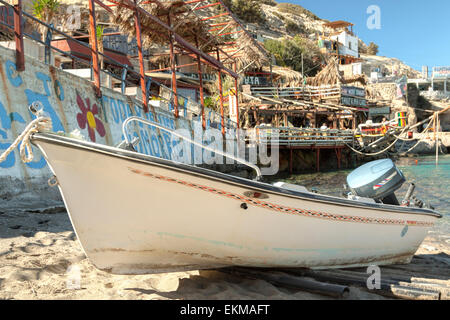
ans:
x=286 y=76
x=330 y=75
x=167 y=11
x=194 y=26
x=249 y=53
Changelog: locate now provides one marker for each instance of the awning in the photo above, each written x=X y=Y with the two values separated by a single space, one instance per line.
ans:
x=83 y=52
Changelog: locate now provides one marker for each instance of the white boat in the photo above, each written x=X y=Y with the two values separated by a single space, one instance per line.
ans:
x=137 y=214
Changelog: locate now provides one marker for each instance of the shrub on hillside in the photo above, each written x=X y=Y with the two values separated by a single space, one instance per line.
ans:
x=272 y=3
x=246 y=10
x=362 y=47
x=288 y=53
x=296 y=9
x=372 y=49
x=293 y=28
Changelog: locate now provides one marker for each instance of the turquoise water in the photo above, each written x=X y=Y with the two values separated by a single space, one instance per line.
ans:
x=432 y=183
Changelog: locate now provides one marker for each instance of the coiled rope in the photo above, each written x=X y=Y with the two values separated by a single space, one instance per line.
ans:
x=431 y=118
x=377 y=153
x=41 y=123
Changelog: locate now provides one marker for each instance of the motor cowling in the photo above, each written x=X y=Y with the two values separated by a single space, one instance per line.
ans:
x=377 y=180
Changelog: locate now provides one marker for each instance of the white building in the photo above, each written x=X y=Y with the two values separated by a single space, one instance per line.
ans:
x=340 y=41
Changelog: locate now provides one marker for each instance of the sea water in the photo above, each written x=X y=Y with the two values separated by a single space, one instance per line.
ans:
x=432 y=184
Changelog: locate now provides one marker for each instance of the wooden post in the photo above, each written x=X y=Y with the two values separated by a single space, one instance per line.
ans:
x=200 y=80
x=18 y=36
x=174 y=74
x=222 y=116
x=290 y=161
x=437 y=138
x=338 y=156
x=255 y=114
x=236 y=86
x=277 y=118
x=317 y=159
x=94 y=47
x=137 y=23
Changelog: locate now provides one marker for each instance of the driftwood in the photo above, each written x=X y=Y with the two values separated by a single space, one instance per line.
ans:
x=399 y=281
x=289 y=281
x=392 y=285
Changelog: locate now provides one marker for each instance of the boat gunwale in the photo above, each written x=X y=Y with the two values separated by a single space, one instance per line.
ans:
x=223 y=177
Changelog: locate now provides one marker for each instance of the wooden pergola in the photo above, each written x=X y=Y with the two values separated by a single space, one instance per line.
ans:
x=222 y=56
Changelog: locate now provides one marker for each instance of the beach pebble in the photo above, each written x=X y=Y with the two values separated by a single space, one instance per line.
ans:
x=40 y=235
x=28 y=234
x=429 y=248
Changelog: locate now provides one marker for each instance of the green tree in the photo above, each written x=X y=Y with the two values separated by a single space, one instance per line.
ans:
x=100 y=34
x=246 y=10
x=288 y=53
x=296 y=9
x=293 y=28
x=46 y=11
x=372 y=49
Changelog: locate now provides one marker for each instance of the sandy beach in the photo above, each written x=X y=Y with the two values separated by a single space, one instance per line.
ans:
x=38 y=249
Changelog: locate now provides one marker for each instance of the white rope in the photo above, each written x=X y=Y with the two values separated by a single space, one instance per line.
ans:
x=26 y=153
x=377 y=153
x=418 y=142
x=400 y=138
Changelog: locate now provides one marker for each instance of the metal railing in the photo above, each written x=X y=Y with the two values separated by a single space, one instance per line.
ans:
x=17 y=29
x=296 y=137
x=306 y=92
x=198 y=144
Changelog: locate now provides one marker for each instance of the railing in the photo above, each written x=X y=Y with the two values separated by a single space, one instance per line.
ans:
x=174 y=133
x=303 y=93
x=296 y=137
x=19 y=15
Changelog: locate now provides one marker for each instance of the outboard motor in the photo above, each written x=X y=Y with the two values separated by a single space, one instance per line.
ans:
x=377 y=180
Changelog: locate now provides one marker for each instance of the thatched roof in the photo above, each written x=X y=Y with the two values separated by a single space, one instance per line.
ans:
x=188 y=26
x=250 y=53
x=330 y=75
x=286 y=76
x=362 y=79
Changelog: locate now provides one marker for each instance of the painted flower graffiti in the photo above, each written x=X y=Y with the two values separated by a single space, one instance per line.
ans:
x=87 y=118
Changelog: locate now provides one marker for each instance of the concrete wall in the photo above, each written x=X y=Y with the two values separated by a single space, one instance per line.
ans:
x=71 y=103
x=349 y=42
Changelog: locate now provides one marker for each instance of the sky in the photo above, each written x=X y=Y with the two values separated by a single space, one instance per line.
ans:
x=414 y=31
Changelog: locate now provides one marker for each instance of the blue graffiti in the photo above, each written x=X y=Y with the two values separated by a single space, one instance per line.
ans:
x=6 y=121
x=152 y=142
x=11 y=73
x=56 y=122
x=45 y=80
x=10 y=159
x=59 y=90
x=34 y=96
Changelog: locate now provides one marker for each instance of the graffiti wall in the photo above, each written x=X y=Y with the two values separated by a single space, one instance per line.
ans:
x=72 y=105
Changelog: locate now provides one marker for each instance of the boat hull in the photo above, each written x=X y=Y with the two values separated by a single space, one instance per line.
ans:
x=135 y=216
